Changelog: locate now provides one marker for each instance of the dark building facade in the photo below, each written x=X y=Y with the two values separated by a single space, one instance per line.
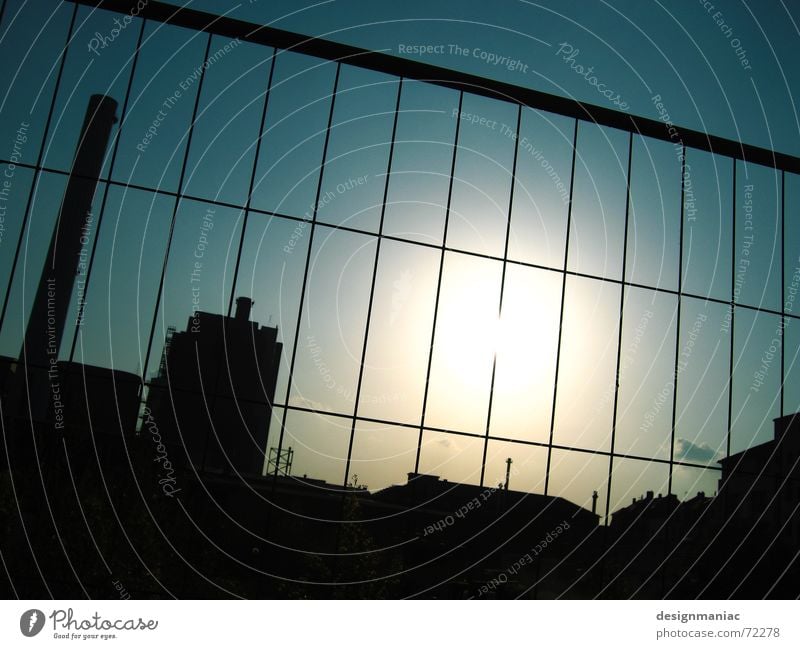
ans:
x=763 y=482
x=740 y=543
x=213 y=396
x=364 y=200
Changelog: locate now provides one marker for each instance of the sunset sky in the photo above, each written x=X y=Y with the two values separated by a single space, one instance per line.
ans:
x=485 y=256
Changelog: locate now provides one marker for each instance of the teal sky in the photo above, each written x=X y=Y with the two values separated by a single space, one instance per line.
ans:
x=638 y=49
x=483 y=334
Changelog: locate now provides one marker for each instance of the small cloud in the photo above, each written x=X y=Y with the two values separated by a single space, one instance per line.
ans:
x=687 y=450
x=402 y=290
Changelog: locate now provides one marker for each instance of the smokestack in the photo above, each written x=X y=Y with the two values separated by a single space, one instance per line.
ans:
x=508 y=472
x=243 y=306
x=68 y=248
x=594 y=502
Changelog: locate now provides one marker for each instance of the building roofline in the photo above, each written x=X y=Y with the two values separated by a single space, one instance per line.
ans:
x=764 y=447
x=408 y=69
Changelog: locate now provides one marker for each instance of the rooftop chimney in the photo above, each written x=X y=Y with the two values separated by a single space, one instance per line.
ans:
x=243 y=306
x=785 y=424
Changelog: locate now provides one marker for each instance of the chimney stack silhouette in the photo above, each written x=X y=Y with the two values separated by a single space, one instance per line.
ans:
x=50 y=308
x=243 y=306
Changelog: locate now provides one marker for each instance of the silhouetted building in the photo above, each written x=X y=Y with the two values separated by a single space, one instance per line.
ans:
x=212 y=399
x=88 y=499
x=98 y=400
x=763 y=482
x=740 y=543
x=649 y=512
x=7 y=371
x=521 y=544
x=652 y=545
x=35 y=388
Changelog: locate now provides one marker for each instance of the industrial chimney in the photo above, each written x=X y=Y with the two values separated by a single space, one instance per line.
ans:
x=75 y=220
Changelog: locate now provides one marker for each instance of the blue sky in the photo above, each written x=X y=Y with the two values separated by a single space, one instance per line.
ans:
x=633 y=55
x=684 y=51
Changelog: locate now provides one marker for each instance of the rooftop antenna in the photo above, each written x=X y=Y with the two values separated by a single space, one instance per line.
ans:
x=280 y=462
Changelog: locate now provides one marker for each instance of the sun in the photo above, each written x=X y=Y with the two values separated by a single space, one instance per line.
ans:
x=475 y=333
